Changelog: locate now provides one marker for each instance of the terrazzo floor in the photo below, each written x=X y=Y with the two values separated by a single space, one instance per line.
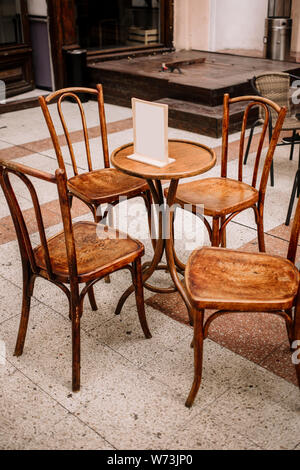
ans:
x=133 y=390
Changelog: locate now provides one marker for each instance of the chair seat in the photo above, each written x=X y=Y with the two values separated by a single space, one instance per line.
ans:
x=98 y=248
x=234 y=280
x=220 y=196
x=104 y=186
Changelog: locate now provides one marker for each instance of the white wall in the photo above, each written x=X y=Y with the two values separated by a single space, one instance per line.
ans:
x=191 y=24
x=200 y=24
x=239 y=24
x=181 y=24
x=219 y=24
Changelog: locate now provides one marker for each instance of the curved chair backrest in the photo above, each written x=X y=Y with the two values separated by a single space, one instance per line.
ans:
x=250 y=103
x=276 y=87
x=8 y=168
x=74 y=94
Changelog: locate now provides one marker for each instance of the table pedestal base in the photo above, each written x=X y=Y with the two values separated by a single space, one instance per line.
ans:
x=164 y=244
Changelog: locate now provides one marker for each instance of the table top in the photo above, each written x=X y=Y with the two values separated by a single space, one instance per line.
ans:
x=191 y=158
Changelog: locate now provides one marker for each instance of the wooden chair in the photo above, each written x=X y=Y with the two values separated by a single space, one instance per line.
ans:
x=84 y=252
x=276 y=87
x=223 y=198
x=102 y=186
x=235 y=281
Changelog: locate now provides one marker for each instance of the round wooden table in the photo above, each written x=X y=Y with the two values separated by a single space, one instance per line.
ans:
x=191 y=159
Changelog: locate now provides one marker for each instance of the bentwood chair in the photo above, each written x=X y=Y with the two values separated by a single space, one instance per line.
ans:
x=222 y=197
x=233 y=281
x=84 y=252
x=95 y=187
x=276 y=87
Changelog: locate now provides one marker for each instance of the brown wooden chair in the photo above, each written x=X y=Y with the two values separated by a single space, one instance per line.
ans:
x=102 y=186
x=223 y=198
x=235 y=281
x=84 y=252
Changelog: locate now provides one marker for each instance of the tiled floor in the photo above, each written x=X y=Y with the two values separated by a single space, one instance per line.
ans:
x=29 y=94
x=133 y=390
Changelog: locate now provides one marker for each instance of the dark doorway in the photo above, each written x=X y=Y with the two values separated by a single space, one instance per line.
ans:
x=118 y=23
x=15 y=48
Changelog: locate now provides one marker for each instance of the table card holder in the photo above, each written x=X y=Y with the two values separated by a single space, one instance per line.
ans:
x=150 y=133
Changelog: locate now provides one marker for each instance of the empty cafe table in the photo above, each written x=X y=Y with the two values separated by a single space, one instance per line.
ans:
x=191 y=159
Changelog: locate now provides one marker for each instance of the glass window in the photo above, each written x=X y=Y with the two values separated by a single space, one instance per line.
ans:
x=118 y=23
x=10 y=22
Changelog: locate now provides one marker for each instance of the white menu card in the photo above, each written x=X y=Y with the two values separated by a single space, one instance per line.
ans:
x=150 y=133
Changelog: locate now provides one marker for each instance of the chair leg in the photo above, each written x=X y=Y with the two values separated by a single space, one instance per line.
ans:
x=198 y=355
x=70 y=199
x=179 y=264
x=293 y=144
x=111 y=224
x=98 y=217
x=272 y=173
x=215 y=238
x=148 y=204
x=296 y=337
x=76 y=314
x=97 y=213
x=270 y=130
x=249 y=143
x=92 y=299
x=289 y=328
x=28 y=284
x=292 y=199
x=223 y=233
x=139 y=296
x=260 y=234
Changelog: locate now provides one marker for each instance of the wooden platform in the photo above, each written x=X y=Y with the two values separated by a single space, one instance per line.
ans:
x=207 y=120
x=194 y=96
